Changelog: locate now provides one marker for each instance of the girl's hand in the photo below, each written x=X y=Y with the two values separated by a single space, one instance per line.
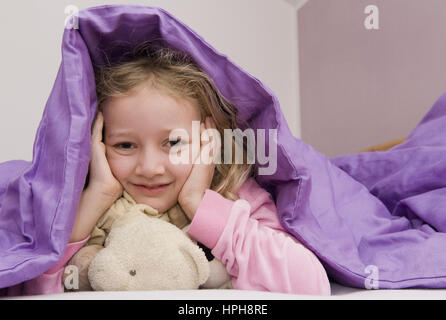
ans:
x=200 y=177
x=102 y=180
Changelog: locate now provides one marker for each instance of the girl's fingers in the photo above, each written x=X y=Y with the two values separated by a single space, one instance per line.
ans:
x=207 y=138
x=97 y=127
x=216 y=139
x=213 y=139
x=98 y=148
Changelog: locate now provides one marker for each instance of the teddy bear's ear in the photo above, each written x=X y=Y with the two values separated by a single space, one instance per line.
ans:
x=199 y=258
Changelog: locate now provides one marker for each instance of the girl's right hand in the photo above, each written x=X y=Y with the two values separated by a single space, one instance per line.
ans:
x=102 y=180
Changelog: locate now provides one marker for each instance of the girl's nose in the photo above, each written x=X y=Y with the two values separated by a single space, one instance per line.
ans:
x=150 y=163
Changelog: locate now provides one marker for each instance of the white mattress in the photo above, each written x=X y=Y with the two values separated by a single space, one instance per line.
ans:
x=338 y=293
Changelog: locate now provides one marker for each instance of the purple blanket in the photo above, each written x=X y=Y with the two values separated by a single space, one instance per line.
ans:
x=375 y=216
x=380 y=222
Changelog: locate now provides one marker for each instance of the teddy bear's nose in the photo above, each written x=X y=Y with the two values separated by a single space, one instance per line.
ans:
x=132 y=272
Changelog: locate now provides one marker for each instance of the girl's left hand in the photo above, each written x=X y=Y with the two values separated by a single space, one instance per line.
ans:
x=201 y=175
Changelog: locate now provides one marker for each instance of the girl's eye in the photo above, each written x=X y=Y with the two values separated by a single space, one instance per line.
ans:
x=123 y=145
x=174 y=143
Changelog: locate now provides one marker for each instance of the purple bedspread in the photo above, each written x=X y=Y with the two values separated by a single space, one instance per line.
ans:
x=380 y=221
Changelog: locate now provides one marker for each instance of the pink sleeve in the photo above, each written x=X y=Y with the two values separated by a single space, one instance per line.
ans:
x=247 y=237
x=51 y=281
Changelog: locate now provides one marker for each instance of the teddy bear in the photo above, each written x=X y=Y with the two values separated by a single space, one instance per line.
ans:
x=134 y=247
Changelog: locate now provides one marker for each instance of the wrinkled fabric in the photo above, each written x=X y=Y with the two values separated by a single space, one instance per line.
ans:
x=379 y=222
x=379 y=209
x=126 y=204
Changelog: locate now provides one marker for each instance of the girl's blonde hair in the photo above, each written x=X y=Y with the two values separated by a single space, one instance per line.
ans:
x=177 y=74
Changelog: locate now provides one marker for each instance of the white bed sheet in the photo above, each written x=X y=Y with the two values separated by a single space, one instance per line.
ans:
x=338 y=293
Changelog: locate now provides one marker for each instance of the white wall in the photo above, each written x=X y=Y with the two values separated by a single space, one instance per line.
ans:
x=258 y=35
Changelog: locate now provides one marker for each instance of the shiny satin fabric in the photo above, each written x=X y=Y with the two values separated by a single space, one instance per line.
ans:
x=405 y=238
x=376 y=220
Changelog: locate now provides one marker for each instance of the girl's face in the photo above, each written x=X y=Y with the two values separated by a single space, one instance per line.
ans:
x=137 y=129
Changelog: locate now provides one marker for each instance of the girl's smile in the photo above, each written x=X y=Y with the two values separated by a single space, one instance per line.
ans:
x=152 y=190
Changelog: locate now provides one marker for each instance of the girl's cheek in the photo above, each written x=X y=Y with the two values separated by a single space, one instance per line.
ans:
x=120 y=166
x=181 y=172
x=182 y=169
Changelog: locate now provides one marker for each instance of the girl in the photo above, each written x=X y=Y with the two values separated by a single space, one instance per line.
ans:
x=140 y=102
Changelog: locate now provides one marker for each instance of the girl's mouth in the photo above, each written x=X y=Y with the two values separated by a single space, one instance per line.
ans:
x=152 y=191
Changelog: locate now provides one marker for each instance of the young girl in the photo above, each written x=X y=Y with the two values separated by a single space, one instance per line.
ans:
x=140 y=102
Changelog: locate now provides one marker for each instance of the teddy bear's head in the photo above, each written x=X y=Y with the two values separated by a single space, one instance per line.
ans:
x=144 y=253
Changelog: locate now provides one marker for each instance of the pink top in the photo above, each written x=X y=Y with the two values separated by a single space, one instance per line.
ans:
x=245 y=235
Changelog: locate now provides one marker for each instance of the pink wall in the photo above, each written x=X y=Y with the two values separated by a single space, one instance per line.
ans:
x=362 y=87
